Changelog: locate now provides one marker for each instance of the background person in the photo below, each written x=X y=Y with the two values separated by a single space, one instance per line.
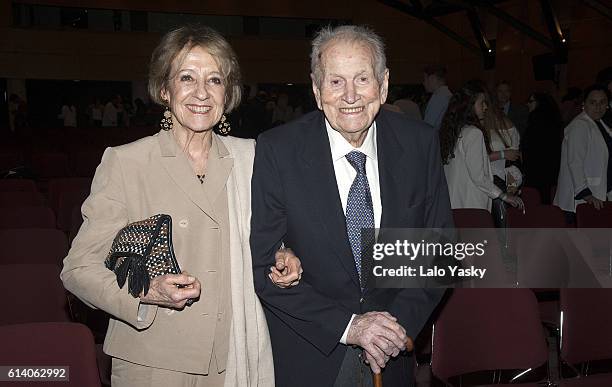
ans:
x=584 y=173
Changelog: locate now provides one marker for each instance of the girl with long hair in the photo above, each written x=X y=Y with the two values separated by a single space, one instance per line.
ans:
x=464 y=153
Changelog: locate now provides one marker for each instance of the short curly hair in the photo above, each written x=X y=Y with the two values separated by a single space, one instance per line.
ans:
x=177 y=43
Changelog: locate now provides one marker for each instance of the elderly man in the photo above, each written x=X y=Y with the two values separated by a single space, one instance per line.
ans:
x=317 y=182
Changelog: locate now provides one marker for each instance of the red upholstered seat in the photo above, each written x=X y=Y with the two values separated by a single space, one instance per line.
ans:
x=33 y=245
x=20 y=199
x=27 y=217
x=51 y=344
x=540 y=216
x=588 y=217
x=488 y=329
x=33 y=293
x=585 y=332
x=472 y=218
x=17 y=185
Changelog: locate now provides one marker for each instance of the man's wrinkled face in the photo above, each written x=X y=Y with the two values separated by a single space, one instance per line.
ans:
x=349 y=94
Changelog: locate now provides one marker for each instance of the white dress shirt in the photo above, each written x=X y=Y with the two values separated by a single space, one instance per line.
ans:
x=345 y=174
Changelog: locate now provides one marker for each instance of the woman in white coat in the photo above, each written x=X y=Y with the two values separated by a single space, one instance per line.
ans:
x=464 y=154
x=584 y=173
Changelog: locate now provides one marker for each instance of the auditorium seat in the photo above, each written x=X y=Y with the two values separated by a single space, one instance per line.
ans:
x=585 y=333
x=60 y=185
x=32 y=293
x=64 y=195
x=86 y=161
x=27 y=217
x=51 y=344
x=33 y=245
x=539 y=216
x=487 y=330
x=472 y=218
x=49 y=165
x=75 y=223
x=20 y=199
x=10 y=158
x=589 y=217
x=531 y=197
x=17 y=185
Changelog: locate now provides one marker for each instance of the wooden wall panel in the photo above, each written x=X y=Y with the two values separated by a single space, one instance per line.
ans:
x=29 y=53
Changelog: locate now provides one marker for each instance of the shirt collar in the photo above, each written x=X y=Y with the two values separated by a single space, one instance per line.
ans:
x=340 y=147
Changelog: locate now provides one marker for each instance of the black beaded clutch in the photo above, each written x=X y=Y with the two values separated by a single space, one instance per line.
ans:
x=142 y=251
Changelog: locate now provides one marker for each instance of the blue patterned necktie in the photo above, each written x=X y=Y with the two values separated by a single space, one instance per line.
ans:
x=359 y=210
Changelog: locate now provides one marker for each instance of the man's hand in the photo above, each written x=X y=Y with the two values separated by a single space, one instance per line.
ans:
x=164 y=290
x=380 y=335
x=592 y=200
x=287 y=270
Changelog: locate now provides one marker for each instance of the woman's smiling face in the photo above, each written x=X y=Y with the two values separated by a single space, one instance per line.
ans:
x=196 y=91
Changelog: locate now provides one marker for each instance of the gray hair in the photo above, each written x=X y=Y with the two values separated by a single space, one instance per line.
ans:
x=352 y=34
x=176 y=43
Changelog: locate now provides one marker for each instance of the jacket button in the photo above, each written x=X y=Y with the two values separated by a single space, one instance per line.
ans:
x=183 y=223
x=361 y=300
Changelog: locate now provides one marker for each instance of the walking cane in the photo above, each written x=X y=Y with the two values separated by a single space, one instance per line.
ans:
x=377 y=378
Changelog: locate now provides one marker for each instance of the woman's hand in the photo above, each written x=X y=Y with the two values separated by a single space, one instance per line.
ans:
x=172 y=290
x=287 y=270
x=592 y=200
x=514 y=201
x=511 y=185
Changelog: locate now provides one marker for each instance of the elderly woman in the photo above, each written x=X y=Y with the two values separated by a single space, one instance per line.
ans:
x=202 y=180
x=464 y=153
x=586 y=156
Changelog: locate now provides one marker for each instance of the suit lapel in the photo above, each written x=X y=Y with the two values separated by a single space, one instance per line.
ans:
x=320 y=180
x=178 y=168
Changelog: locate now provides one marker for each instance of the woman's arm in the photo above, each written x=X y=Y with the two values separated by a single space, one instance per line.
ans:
x=474 y=148
x=84 y=274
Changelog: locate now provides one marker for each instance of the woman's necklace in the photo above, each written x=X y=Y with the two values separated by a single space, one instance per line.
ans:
x=200 y=177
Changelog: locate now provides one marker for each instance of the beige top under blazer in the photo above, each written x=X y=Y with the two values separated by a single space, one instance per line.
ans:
x=211 y=227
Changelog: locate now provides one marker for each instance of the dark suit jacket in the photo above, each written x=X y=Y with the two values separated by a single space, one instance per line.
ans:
x=295 y=199
x=607 y=118
x=518 y=114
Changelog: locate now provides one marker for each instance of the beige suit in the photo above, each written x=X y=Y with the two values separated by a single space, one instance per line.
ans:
x=210 y=235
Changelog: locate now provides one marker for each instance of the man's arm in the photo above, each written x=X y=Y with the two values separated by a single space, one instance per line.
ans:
x=317 y=318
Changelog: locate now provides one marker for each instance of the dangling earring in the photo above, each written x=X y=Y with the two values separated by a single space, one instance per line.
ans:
x=166 y=121
x=224 y=126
